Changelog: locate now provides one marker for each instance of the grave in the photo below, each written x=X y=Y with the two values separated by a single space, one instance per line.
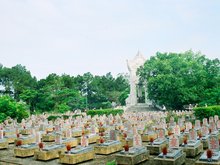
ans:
x=212 y=155
x=192 y=146
x=173 y=156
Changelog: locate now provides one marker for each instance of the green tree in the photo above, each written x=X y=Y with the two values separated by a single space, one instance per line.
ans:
x=9 y=107
x=178 y=79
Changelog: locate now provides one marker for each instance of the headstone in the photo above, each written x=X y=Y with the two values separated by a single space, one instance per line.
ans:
x=211 y=119
x=212 y=127
x=216 y=118
x=68 y=133
x=213 y=143
x=137 y=141
x=58 y=139
x=1 y=134
x=177 y=130
x=174 y=142
x=205 y=121
x=38 y=137
x=113 y=135
x=205 y=130
x=193 y=135
x=197 y=124
x=84 y=141
x=161 y=134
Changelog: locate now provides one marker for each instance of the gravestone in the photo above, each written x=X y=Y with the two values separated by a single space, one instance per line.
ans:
x=174 y=142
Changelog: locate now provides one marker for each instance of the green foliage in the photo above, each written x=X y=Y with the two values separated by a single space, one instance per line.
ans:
x=53 y=118
x=111 y=163
x=181 y=79
x=105 y=111
x=11 y=108
x=62 y=108
x=206 y=112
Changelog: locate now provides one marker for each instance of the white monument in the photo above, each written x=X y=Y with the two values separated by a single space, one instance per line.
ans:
x=136 y=89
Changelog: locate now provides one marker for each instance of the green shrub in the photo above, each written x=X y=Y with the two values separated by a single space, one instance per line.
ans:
x=10 y=108
x=52 y=118
x=206 y=112
x=105 y=111
x=111 y=163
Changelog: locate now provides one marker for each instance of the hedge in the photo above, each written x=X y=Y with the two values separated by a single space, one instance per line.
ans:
x=105 y=111
x=206 y=112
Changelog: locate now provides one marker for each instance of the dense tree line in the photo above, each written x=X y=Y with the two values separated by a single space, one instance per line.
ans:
x=175 y=80
x=62 y=93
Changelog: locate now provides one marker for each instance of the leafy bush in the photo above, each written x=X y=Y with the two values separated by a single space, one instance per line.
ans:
x=9 y=107
x=53 y=118
x=105 y=111
x=206 y=112
x=111 y=163
x=62 y=108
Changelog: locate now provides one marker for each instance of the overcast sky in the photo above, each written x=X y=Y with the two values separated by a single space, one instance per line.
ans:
x=97 y=36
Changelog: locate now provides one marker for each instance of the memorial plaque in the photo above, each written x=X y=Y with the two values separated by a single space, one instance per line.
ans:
x=197 y=124
x=213 y=143
x=58 y=139
x=205 y=121
x=177 y=130
x=213 y=126
x=161 y=134
x=1 y=134
x=137 y=141
x=84 y=141
x=38 y=137
x=113 y=135
x=211 y=119
x=174 y=142
x=205 y=130
x=192 y=135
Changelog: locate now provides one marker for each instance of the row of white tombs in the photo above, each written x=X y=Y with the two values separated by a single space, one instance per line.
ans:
x=77 y=140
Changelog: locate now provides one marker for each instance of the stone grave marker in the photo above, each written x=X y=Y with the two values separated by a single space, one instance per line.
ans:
x=192 y=135
x=58 y=139
x=1 y=134
x=213 y=143
x=113 y=135
x=218 y=124
x=205 y=130
x=216 y=118
x=174 y=142
x=84 y=141
x=137 y=141
x=212 y=127
x=38 y=137
x=161 y=134
x=197 y=124
x=205 y=121
x=177 y=130
x=211 y=119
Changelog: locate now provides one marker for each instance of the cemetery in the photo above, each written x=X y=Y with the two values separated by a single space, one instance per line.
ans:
x=140 y=133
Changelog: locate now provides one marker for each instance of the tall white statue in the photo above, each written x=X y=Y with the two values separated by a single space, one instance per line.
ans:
x=133 y=65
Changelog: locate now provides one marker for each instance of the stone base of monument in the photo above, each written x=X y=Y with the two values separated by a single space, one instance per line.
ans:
x=49 y=129
x=77 y=155
x=135 y=155
x=10 y=132
x=203 y=160
x=48 y=138
x=3 y=144
x=77 y=133
x=193 y=150
x=25 y=131
x=10 y=138
x=49 y=152
x=25 y=150
x=147 y=137
x=108 y=147
x=171 y=159
x=26 y=140
x=73 y=142
x=156 y=147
